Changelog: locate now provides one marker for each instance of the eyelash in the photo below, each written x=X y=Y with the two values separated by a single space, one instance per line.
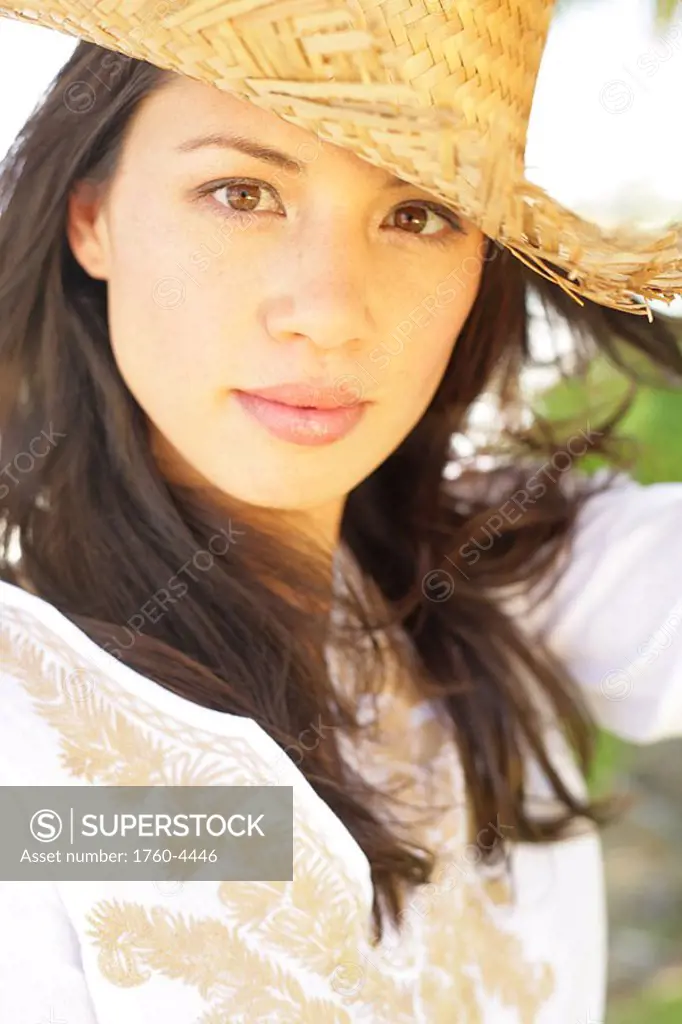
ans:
x=207 y=191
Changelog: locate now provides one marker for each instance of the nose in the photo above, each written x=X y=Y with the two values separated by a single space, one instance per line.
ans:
x=323 y=288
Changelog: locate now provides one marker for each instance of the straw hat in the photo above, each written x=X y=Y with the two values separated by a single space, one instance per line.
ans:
x=438 y=92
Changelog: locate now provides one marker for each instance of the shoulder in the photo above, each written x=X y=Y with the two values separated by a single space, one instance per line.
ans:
x=628 y=504
x=80 y=709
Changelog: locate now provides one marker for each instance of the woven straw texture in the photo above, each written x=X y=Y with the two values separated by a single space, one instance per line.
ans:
x=437 y=91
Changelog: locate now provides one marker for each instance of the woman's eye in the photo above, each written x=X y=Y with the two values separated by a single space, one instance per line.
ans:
x=413 y=216
x=242 y=196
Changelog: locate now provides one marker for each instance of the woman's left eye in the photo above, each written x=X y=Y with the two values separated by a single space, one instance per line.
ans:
x=411 y=218
x=416 y=215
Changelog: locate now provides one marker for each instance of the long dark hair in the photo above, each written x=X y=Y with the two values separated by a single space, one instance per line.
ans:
x=100 y=529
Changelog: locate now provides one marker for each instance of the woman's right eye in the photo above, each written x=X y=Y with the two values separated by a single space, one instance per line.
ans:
x=243 y=196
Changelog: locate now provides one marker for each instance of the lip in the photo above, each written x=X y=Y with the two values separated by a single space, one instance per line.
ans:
x=303 y=394
x=314 y=422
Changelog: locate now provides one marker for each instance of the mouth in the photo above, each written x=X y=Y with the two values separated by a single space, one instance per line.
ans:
x=305 y=419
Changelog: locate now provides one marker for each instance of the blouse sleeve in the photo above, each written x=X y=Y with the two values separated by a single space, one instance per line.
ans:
x=615 y=615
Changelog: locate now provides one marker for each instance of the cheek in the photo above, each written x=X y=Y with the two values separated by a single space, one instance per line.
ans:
x=420 y=346
x=162 y=352
x=169 y=324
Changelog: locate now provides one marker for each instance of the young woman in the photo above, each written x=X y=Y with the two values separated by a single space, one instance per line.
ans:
x=239 y=549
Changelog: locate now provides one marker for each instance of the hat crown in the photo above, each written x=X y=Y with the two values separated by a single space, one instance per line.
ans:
x=439 y=92
x=476 y=59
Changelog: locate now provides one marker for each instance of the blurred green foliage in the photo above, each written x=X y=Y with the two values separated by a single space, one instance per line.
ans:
x=664 y=12
x=648 y=1010
x=652 y=425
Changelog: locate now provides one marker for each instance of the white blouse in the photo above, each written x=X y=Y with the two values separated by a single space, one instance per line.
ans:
x=474 y=948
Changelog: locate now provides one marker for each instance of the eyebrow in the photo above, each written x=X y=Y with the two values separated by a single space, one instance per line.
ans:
x=272 y=156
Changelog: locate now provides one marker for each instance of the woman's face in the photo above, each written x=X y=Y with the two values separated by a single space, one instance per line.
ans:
x=329 y=274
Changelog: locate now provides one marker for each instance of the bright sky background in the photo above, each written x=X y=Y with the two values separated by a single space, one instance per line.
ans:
x=605 y=135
